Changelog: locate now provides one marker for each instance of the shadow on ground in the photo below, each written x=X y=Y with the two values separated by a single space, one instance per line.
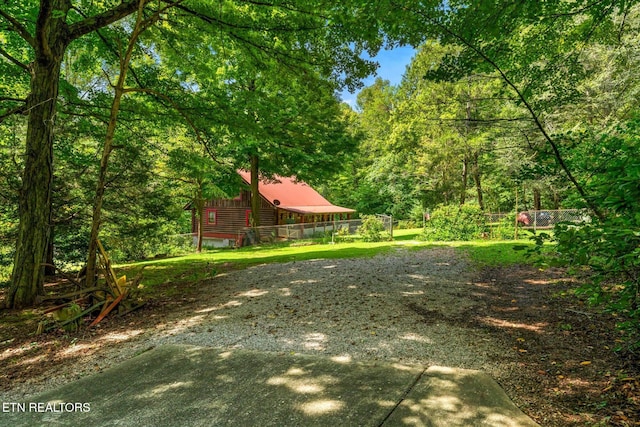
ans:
x=196 y=386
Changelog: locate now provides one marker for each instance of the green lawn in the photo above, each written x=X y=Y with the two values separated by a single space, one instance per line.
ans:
x=486 y=253
x=197 y=267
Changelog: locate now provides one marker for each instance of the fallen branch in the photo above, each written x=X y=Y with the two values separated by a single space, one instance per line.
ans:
x=80 y=292
x=63 y=274
x=114 y=292
x=68 y=321
x=58 y=307
x=107 y=310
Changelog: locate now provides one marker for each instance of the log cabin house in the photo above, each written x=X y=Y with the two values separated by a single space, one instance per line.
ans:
x=283 y=201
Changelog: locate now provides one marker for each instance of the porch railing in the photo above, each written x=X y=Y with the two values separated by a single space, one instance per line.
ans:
x=273 y=233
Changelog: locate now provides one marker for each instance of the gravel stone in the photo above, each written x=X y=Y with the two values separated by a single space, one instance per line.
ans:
x=384 y=308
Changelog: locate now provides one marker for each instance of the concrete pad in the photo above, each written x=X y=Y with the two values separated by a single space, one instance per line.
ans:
x=196 y=386
x=457 y=397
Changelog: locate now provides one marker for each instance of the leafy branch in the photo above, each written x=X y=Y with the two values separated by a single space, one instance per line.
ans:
x=14 y=60
x=18 y=28
x=536 y=119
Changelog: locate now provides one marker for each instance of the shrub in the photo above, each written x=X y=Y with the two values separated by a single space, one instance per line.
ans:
x=454 y=222
x=406 y=224
x=372 y=230
x=343 y=235
x=417 y=213
x=504 y=230
x=609 y=247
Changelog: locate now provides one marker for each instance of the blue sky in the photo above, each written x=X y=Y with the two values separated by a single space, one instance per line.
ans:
x=392 y=66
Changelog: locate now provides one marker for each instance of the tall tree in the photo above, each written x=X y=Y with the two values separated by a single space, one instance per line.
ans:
x=200 y=179
x=140 y=24
x=40 y=34
x=534 y=48
x=287 y=122
x=46 y=38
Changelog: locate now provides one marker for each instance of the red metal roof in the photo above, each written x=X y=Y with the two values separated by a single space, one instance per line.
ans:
x=294 y=196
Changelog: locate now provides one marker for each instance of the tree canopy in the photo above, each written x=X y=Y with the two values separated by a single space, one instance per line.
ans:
x=500 y=96
x=45 y=41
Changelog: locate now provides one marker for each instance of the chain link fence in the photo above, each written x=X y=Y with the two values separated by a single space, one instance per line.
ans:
x=274 y=233
x=387 y=221
x=543 y=219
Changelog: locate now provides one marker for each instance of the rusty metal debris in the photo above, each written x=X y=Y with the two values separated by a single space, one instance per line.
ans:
x=112 y=294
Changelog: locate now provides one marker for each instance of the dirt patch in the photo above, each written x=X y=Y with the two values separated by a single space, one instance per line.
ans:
x=553 y=356
x=567 y=371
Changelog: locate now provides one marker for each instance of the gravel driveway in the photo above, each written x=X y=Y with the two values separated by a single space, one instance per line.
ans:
x=382 y=308
x=518 y=324
x=363 y=308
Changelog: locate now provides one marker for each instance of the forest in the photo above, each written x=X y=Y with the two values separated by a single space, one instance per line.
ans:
x=114 y=115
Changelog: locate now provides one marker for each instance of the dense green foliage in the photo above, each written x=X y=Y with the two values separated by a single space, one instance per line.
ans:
x=501 y=111
x=505 y=228
x=235 y=80
x=518 y=105
x=455 y=222
x=611 y=248
x=372 y=229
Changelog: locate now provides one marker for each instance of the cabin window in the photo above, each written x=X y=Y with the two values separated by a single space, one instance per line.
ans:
x=211 y=216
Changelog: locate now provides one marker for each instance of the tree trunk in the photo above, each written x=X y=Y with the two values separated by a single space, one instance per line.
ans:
x=537 y=205
x=35 y=195
x=255 y=192
x=51 y=38
x=119 y=89
x=445 y=192
x=100 y=188
x=477 y=179
x=50 y=269
x=34 y=208
x=465 y=179
x=199 y=205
